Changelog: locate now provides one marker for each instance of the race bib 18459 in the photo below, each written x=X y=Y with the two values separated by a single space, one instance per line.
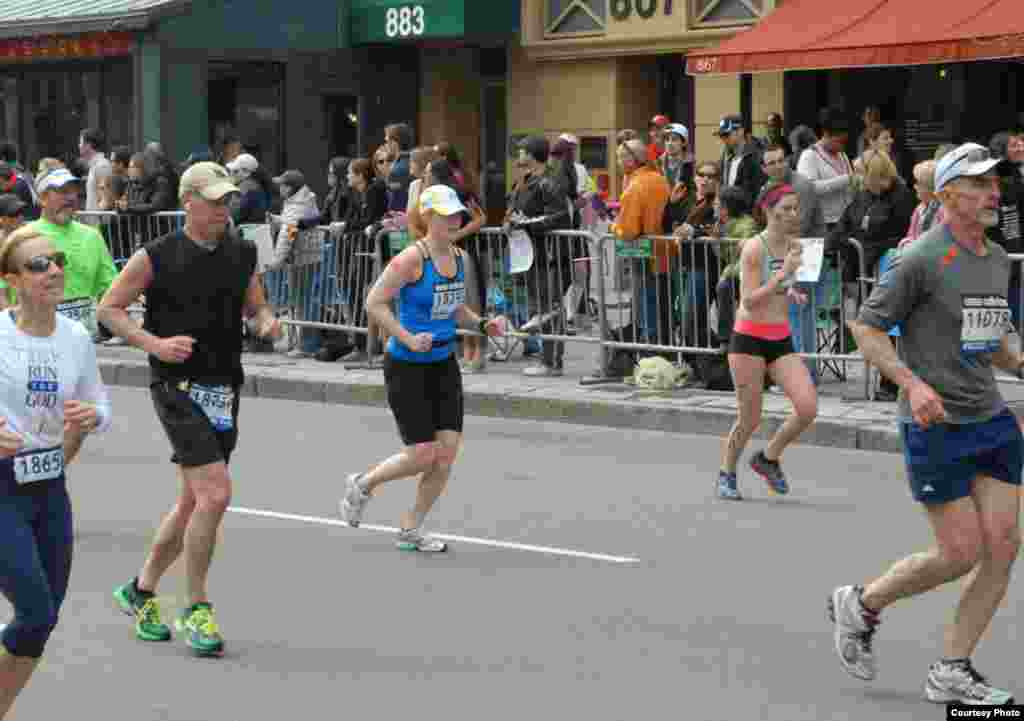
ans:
x=217 y=402
x=985 y=319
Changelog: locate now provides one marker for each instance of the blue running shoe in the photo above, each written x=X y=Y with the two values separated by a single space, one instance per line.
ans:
x=727 y=487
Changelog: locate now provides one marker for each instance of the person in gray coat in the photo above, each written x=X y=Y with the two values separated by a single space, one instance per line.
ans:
x=293 y=249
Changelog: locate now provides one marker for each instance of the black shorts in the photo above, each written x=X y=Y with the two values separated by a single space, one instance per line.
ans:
x=424 y=397
x=770 y=350
x=194 y=439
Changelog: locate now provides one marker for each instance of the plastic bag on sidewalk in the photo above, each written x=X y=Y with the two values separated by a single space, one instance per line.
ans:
x=656 y=373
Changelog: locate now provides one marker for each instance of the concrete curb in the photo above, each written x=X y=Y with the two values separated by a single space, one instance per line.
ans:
x=658 y=412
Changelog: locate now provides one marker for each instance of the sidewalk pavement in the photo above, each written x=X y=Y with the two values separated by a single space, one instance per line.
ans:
x=502 y=391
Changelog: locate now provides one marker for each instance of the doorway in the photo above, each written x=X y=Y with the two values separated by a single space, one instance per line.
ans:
x=245 y=101
x=341 y=125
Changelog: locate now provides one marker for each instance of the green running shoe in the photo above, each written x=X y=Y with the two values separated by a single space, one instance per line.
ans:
x=146 y=609
x=202 y=633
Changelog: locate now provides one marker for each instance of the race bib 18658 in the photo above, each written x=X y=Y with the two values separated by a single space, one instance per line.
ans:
x=39 y=465
x=985 y=320
x=217 y=402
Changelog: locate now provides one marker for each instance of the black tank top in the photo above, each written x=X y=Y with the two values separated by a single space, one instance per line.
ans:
x=200 y=293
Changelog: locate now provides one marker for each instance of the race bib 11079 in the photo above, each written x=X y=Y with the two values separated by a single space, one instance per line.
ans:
x=985 y=319
x=217 y=402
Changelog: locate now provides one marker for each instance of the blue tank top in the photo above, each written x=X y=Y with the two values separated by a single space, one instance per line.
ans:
x=428 y=306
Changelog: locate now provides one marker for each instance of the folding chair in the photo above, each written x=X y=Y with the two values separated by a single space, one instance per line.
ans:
x=829 y=323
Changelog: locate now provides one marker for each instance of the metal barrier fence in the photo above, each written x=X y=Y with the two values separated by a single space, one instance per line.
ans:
x=647 y=296
x=126 y=232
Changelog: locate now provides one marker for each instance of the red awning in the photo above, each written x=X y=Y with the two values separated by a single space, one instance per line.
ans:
x=816 y=35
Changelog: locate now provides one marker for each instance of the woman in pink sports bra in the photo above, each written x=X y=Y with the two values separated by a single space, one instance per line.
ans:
x=761 y=343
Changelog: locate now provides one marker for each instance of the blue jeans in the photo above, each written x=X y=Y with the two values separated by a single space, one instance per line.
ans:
x=35 y=560
x=803 y=322
x=695 y=306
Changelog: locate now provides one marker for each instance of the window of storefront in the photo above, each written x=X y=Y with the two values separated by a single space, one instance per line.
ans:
x=44 y=109
x=705 y=13
x=575 y=17
x=245 y=101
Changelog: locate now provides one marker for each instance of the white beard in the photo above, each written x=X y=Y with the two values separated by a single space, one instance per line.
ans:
x=988 y=218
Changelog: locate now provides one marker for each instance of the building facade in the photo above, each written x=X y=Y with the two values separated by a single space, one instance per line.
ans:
x=594 y=67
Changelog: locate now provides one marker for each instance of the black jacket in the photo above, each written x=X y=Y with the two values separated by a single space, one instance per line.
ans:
x=152 y=195
x=541 y=196
x=1010 y=231
x=878 y=222
x=366 y=209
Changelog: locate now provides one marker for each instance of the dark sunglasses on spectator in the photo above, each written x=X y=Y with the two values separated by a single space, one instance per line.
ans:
x=41 y=263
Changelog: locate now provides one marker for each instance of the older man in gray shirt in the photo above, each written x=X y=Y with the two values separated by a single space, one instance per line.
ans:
x=802 y=318
x=963 y=447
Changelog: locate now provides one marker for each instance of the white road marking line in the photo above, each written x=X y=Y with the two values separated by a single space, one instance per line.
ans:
x=443 y=536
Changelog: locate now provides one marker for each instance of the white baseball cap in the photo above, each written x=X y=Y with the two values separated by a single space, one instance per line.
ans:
x=678 y=129
x=243 y=162
x=969 y=160
x=55 y=180
x=442 y=200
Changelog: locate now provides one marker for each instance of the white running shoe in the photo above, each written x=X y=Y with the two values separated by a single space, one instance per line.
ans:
x=960 y=683
x=353 y=503
x=413 y=540
x=853 y=632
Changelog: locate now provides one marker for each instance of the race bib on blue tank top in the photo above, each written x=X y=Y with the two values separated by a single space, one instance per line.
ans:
x=447 y=297
x=985 y=319
x=217 y=402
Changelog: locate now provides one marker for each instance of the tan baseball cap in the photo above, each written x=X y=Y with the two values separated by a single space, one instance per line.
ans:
x=210 y=180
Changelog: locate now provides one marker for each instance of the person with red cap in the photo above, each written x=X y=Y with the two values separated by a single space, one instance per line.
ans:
x=656 y=131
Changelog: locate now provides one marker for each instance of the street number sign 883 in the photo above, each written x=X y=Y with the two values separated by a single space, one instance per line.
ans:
x=405 y=21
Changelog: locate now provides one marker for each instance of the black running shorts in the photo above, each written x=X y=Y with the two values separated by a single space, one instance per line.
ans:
x=424 y=397
x=193 y=437
x=770 y=350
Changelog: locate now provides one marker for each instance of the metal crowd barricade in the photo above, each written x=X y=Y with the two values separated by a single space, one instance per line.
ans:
x=331 y=287
x=127 y=232
x=667 y=299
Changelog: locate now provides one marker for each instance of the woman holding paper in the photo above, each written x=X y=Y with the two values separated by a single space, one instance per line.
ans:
x=761 y=342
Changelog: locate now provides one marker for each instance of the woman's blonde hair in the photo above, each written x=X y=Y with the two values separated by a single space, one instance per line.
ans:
x=12 y=242
x=924 y=173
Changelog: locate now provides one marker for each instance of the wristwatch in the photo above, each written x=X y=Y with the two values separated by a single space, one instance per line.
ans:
x=483 y=326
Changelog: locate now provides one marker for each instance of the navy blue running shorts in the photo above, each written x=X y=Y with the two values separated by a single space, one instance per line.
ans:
x=943 y=460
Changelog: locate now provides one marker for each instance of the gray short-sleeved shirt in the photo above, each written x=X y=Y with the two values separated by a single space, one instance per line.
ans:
x=951 y=307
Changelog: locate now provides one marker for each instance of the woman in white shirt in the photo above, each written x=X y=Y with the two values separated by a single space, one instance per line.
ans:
x=51 y=397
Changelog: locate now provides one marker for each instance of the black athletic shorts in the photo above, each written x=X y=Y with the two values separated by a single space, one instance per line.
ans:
x=770 y=350
x=424 y=397
x=194 y=439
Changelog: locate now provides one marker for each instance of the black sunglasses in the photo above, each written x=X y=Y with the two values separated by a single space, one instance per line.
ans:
x=41 y=263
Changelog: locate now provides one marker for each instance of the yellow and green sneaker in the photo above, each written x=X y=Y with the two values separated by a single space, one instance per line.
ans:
x=146 y=609
x=201 y=631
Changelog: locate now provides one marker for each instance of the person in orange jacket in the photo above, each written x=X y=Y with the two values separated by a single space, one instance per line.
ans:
x=641 y=213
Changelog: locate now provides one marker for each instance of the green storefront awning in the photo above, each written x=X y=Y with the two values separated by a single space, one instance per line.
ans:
x=404 y=21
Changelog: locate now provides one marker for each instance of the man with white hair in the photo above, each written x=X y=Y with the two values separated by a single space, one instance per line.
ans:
x=964 y=450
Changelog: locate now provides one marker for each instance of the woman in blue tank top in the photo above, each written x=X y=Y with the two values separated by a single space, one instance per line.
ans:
x=424 y=384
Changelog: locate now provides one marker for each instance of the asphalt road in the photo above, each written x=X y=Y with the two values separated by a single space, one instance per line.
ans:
x=709 y=610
